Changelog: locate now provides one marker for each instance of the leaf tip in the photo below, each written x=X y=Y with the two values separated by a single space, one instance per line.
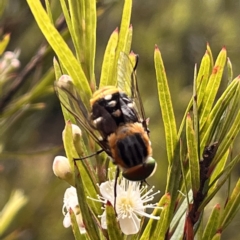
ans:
x=132 y=54
x=68 y=123
x=217 y=206
x=7 y=35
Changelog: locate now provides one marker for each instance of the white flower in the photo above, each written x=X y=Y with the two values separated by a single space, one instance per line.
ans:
x=129 y=204
x=70 y=202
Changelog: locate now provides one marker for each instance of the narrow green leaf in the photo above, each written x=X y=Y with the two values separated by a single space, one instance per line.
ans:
x=68 y=144
x=202 y=78
x=89 y=187
x=230 y=113
x=181 y=211
x=217 y=113
x=81 y=37
x=229 y=70
x=232 y=207
x=159 y=231
x=49 y=12
x=90 y=24
x=166 y=106
x=211 y=58
x=114 y=231
x=74 y=24
x=228 y=140
x=212 y=86
x=178 y=233
x=219 y=169
x=63 y=52
x=75 y=228
x=195 y=122
x=193 y=155
x=189 y=107
x=224 y=174
x=10 y=210
x=123 y=33
x=129 y=40
x=152 y=223
x=107 y=76
x=186 y=177
x=173 y=182
x=57 y=69
x=212 y=224
x=89 y=223
x=124 y=28
x=4 y=42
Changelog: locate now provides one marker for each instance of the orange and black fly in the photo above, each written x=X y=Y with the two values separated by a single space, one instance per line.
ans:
x=116 y=121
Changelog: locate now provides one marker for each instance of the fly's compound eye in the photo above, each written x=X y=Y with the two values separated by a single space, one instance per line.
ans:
x=142 y=171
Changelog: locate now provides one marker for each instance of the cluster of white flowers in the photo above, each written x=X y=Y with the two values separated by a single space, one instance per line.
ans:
x=130 y=204
x=8 y=63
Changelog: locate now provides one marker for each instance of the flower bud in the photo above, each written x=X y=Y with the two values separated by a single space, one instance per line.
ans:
x=76 y=131
x=62 y=169
x=65 y=81
x=77 y=135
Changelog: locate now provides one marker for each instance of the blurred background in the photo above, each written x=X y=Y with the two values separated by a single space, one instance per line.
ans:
x=31 y=136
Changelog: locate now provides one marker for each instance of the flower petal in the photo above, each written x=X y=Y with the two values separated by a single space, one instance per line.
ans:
x=107 y=190
x=130 y=225
x=104 y=220
x=67 y=221
x=70 y=199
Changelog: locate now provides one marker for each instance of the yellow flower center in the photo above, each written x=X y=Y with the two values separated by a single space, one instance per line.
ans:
x=125 y=206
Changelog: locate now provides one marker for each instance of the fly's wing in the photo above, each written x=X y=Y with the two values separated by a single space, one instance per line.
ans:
x=124 y=72
x=127 y=81
x=79 y=114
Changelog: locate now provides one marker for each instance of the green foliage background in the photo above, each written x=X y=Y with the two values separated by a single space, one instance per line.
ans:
x=180 y=28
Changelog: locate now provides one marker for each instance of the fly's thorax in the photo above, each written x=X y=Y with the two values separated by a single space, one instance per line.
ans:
x=130 y=145
x=104 y=92
x=111 y=108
